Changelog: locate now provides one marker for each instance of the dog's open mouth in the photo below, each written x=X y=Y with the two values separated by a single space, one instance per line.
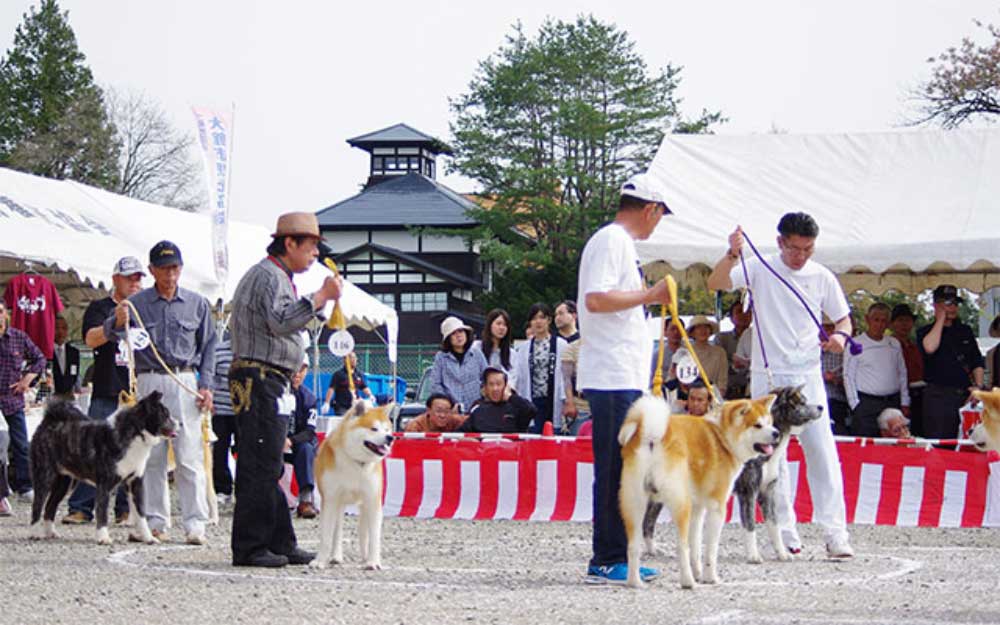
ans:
x=168 y=433
x=764 y=448
x=378 y=450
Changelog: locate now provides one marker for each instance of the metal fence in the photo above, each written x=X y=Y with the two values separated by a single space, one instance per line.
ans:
x=411 y=361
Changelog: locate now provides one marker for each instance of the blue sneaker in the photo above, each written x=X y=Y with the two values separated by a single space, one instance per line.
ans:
x=618 y=574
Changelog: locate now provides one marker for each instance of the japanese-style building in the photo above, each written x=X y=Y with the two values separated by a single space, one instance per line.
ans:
x=389 y=238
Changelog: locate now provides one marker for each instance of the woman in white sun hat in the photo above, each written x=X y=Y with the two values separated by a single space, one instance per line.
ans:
x=457 y=368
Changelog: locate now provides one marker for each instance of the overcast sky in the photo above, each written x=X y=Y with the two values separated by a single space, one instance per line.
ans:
x=305 y=76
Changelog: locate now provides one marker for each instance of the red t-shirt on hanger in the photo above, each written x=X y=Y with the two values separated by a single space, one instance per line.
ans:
x=33 y=303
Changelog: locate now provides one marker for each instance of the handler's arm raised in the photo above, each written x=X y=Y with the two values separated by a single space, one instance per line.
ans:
x=719 y=279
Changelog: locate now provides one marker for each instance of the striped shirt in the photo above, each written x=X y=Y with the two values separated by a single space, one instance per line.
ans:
x=221 y=401
x=268 y=316
x=18 y=355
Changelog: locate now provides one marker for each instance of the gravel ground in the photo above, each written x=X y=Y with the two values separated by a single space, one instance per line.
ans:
x=494 y=572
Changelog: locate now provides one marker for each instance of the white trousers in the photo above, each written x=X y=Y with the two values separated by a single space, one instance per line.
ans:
x=189 y=473
x=826 y=481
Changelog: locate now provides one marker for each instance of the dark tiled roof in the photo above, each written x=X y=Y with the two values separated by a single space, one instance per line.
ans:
x=413 y=261
x=400 y=134
x=409 y=200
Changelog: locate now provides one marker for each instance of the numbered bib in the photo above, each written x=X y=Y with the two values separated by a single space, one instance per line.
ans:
x=687 y=369
x=341 y=343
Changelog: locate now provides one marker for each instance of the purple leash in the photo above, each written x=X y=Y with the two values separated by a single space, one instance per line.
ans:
x=855 y=347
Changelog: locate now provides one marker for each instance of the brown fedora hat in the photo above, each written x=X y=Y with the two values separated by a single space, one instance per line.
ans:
x=297 y=225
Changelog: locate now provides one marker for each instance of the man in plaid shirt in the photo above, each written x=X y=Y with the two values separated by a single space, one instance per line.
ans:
x=20 y=363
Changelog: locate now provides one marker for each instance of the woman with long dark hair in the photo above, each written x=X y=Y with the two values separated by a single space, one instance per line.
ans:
x=495 y=344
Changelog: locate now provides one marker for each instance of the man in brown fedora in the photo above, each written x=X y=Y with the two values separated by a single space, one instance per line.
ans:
x=268 y=315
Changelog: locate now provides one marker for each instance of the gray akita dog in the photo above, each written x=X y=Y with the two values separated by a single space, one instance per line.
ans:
x=791 y=412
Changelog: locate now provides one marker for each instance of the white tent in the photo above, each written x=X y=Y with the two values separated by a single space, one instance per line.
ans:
x=75 y=233
x=897 y=210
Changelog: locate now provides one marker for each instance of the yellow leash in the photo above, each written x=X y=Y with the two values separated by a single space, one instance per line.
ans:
x=337 y=321
x=676 y=320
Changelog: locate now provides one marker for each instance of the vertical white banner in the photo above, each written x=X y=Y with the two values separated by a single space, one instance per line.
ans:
x=215 y=132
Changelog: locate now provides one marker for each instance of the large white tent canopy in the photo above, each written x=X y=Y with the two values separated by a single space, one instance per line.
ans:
x=73 y=234
x=897 y=210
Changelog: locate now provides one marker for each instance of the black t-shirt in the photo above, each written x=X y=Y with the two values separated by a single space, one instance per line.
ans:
x=342 y=399
x=108 y=378
x=955 y=358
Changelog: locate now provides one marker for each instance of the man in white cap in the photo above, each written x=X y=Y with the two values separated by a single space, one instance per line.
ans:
x=109 y=374
x=613 y=369
x=268 y=315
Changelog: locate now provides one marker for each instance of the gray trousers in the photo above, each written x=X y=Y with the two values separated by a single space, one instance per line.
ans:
x=189 y=474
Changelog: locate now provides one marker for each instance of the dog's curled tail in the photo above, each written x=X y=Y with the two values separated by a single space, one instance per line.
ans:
x=59 y=412
x=649 y=412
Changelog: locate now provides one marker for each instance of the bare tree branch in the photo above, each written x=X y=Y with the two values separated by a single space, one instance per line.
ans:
x=157 y=164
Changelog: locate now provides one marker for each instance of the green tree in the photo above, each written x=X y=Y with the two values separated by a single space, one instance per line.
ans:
x=964 y=83
x=52 y=116
x=550 y=127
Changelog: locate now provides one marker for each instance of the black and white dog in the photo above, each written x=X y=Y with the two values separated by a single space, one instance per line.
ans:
x=68 y=448
x=755 y=484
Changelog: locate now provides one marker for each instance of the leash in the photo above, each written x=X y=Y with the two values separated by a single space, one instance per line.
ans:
x=337 y=321
x=676 y=320
x=855 y=347
x=657 y=388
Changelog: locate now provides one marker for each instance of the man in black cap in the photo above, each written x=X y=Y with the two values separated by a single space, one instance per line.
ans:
x=180 y=325
x=953 y=365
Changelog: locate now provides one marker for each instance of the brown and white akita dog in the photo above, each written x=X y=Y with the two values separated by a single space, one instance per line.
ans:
x=986 y=434
x=348 y=471
x=688 y=463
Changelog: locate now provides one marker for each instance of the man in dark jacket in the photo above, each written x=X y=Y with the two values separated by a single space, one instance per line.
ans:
x=65 y=363
x=300 y=447
x=500 y=409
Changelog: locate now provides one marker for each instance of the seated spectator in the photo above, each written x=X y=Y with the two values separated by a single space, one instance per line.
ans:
x=457 y=368
x=501 y=410
x=875 y=379
x=712 y=357
x=892 y=423
x=301 y=444
x=738 y=375
x=832 y=364
x=340 y=389
x=440 y=416
x=698 y=399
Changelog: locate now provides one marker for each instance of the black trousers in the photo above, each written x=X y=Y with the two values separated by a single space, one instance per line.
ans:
x=917 y=411
x=864 y=417
x=224 y=426
x=941 y=404
x=261 y=520
x=839 y=413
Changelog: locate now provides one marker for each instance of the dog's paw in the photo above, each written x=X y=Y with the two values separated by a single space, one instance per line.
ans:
x=103 y=538
x=709 y=578
x=783 y=555
x=755 y=559
x=318 y=564
x=147 y=539
x=636 y=583
x=337 y=559
x=372 y=566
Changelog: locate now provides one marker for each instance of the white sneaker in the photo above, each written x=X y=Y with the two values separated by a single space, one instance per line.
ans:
x=5 y=507
x=839 y=548
x=27 y=496
x=196 y=538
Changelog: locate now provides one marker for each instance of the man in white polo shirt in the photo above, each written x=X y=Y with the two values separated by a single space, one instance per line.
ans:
x=792 y=348
x=875 y=379
x=613 y=368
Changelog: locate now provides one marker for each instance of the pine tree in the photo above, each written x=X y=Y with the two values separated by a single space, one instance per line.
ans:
x=52 y=116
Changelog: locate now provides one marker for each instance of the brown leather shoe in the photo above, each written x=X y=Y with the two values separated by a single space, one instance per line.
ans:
x=306 y=510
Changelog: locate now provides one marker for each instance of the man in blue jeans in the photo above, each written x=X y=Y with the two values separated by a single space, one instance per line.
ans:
x=20 y=363
x=615 y=352
x=110 y=376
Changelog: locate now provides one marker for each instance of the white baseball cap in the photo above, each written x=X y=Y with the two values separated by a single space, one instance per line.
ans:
x=128 y=266
x=647 y=188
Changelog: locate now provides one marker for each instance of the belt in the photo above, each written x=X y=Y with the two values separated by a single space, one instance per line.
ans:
x=161 y=372
x=888 y=397
x=264 y=368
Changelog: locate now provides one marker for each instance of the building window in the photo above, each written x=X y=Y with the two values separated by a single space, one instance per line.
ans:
x=423 y=302
x=389 y=299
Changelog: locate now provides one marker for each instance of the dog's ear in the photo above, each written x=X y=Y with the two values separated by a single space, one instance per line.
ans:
x=766 y=402
x=356 y=410
x=154 y=396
